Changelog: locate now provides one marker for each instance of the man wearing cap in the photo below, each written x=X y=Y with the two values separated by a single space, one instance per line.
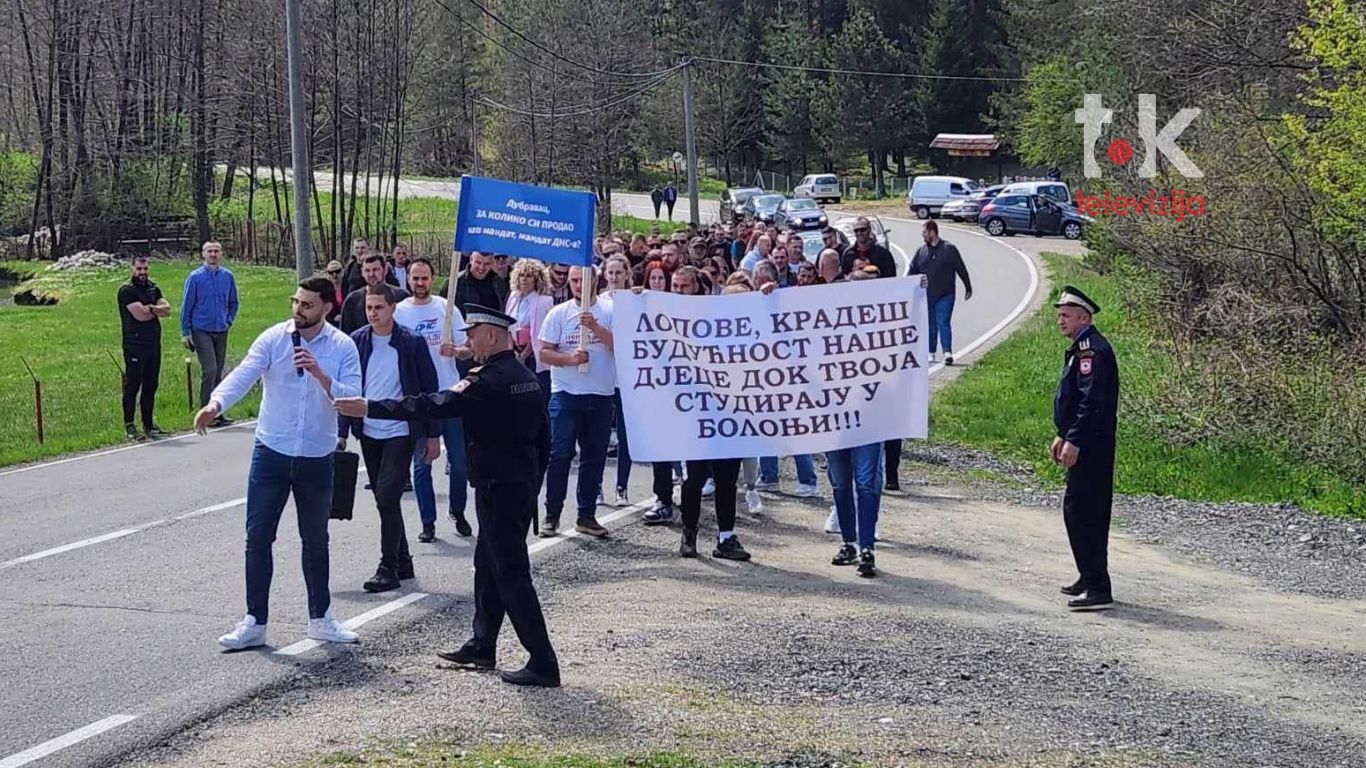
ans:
x=507 y=438
x=1084 y=412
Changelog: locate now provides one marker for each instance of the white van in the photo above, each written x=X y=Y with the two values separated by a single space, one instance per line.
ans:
x=1056 y=191
x=929 y=193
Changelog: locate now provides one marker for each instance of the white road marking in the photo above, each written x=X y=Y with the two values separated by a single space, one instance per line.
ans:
x=66 y=740
x=120 y=449
x=303 y=646
x=571 y=533
x=212 y=508
x=69 y=547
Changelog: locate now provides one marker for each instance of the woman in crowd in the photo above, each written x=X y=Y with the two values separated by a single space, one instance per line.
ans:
x=686 y=280
x=655 y=276
x=529 y=302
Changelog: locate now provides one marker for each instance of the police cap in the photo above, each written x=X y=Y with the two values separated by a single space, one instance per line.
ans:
x=479 y=315
x=1072 y=297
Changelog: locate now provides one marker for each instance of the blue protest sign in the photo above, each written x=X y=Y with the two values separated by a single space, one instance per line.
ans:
x=524 y=220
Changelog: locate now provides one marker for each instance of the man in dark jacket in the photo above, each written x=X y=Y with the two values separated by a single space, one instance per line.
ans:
x=1085 y=412
x=940 y=261
x=866 y=246
x=351 y=273
x=507 y=435
x=394 y=363
x=374 y=270
x=479 y=284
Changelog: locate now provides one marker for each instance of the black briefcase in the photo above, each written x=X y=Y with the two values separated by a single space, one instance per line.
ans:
x=345 y=468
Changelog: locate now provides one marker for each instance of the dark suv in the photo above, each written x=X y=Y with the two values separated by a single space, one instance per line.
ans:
x=733 y=202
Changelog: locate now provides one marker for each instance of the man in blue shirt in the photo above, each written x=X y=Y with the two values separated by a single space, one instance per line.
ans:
x=210 y=307
x=303 y=364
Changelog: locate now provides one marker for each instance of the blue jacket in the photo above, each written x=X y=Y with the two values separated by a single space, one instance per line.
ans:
x=416 y=375
x=210 y=301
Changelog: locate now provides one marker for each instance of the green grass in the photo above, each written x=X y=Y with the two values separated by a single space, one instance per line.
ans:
x=69 y=345
x=1003 y=404
x=450 y=754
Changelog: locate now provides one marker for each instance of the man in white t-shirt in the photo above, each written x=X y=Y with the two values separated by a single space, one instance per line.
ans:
x=580 y=401
x=425 y=315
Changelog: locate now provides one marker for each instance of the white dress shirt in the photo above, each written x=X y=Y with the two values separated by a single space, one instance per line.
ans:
x=297 y=418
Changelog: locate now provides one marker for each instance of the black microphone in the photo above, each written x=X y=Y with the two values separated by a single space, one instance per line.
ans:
x=298 y=342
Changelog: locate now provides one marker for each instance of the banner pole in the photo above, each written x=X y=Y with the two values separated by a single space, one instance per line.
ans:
x=590 y=287
x=448 y=328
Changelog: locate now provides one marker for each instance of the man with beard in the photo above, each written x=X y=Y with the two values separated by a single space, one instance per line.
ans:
x=141 y=307
x=866 y=247
x=399 y=265
x=303 y=364
x=353 y=316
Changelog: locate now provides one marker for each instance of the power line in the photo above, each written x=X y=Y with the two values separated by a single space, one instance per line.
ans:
x=579 y=111
x=505 y=25
x=858 y=72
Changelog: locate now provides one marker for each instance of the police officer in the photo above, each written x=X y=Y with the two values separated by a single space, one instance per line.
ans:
x=1084 y=411
x=507 y=440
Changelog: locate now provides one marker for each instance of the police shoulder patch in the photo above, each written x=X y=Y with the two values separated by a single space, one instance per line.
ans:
x=463 y=384
x=1084 y=367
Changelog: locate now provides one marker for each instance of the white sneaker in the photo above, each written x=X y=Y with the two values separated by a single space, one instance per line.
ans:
x=832 y=523
x=765 y=485
x=754 y=501
x=807 y=491
x=877 y=533
x=329 y=630
x=934 y=358
x=601 y=502
x=247 y=634
x=709 y=487
x=621 y=500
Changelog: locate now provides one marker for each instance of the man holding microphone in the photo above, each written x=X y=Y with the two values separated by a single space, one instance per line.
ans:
x=303 y=364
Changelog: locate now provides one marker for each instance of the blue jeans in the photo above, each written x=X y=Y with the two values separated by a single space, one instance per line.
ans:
x=806 y=469
x=453 y=434
x=856 y=476
x=271 y=479
x=941 y=314
x=585 y=420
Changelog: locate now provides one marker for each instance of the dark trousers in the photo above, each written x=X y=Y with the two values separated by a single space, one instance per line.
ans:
x=664 y=481
x=726 y=472
x=270 y=481
x=211 y=347
x=502 y=574
x=142 y=374
x=386 y=464
x=892 y=456
x=669 y=203
x=623 y=447
x=657 y=204
x=543 y=378
x=1086 y=512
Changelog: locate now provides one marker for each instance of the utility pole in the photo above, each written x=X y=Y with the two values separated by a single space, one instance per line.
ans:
x=474 y=132
x=694 y=207
x=298 y=138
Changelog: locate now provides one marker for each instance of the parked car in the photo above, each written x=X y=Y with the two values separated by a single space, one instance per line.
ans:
x=801 y=213
x=1056 y=191
x=928 y=194
x=733 y=203
x=1011 y=214
x=967 y=209
x=822 y=187
x=764 y=207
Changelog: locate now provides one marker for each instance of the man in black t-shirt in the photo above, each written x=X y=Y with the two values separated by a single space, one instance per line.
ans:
x=141 y=307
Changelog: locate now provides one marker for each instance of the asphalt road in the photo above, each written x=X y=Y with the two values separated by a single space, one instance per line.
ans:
x=118 y=570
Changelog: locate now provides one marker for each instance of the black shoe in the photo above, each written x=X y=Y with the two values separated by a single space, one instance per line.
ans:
x=369 y=486
x=847 y=555
x=659 y=514
x=688 y=546
x=867 y=564
x=549 y=527
x=404 y=571
x=407 y=486
x=1091 y=602
x=462 y=526
x=528 y=676
x=132 y=432
x=1075 y=589
x=731 y=549
x=223 y=421
x=155 y=433
x=428 y=534
x=384 y=580
x=893 y=486
x=590 y=527
x=948 y=359
x=468 y=657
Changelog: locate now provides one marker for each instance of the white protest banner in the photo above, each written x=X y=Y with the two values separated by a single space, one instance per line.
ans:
x=802 y=370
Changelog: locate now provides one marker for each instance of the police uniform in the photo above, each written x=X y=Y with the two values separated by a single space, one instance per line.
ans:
x=507 y=442
x=1084 y=413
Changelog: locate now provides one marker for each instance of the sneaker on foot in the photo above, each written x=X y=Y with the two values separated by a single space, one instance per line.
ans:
x=428 y=534
x=462 y=526
x=730 y=549
x=660 y=514
x=867 y=564
x=621 y=499
x=754 y=501
x=329 y=630
x=847 y=555
x=766 y=485
x=601 y=501
x=1091 y=602
x=948 y=358
x=590 y=527
x=550 y=527
x=155 y=433
x=892 y=488
x=132 y=433
x=934 y=358
x=832 y=521
x=247 y=634
x=805 y=491
x=709 y=488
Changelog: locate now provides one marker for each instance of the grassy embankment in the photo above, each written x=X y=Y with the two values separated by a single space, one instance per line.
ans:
x=1003 y=404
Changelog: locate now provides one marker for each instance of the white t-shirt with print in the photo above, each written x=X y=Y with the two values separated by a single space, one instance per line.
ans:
x=426 y=321
x=561 y=328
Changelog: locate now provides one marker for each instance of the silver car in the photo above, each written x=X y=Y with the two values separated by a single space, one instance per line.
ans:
x=821 y=187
